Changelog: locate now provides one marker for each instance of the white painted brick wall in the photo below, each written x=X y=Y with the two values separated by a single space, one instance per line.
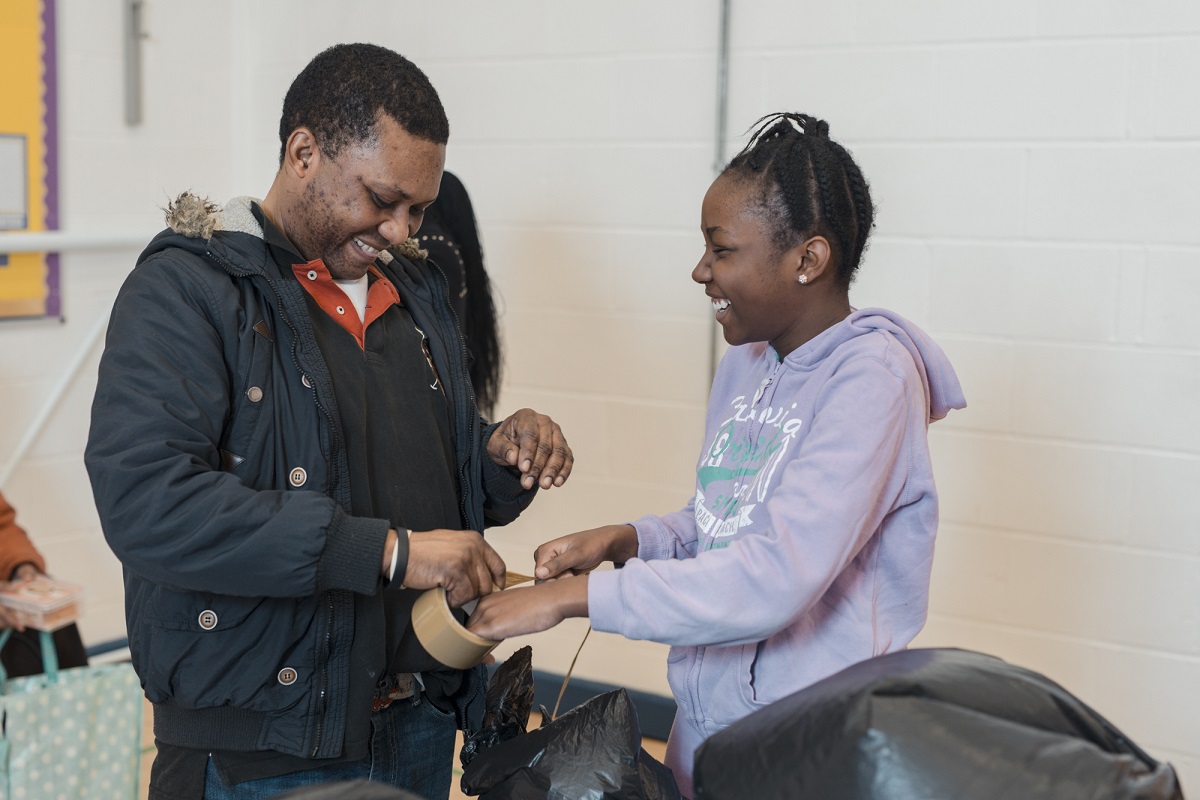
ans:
x=1131 y=192
x=999 y=289
x=1170 y=288
x=1035 y=164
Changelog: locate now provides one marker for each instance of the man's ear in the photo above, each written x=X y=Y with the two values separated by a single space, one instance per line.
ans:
x=301 y=153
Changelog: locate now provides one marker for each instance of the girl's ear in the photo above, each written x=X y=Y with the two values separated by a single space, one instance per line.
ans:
x=814 y=259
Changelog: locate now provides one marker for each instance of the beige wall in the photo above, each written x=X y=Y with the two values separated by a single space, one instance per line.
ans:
x=1035 y=164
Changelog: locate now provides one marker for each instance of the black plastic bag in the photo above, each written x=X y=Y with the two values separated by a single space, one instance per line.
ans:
x=936 y=723
x=593 y=752
x=509 y=698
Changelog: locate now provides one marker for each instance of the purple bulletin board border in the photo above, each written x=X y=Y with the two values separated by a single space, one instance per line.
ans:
x=50 y=71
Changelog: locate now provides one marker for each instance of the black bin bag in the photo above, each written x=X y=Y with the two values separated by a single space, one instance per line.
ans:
x=593 y=752
x=508 y=701
x=934 y=724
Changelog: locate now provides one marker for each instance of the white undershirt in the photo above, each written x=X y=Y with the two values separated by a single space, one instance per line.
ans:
x=356 y=290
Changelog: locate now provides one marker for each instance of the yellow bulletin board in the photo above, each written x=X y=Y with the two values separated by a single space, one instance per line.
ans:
x=29 y=282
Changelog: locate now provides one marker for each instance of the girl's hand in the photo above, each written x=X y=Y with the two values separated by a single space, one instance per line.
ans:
x=529 y=609
x=582 y=552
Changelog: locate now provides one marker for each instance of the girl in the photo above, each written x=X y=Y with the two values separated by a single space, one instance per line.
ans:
x=808 y=544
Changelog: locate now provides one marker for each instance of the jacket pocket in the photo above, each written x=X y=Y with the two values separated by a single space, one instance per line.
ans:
x=747 y=678
x=208 y=650
x=679 y=669
x=777 y=667
x=722 y=684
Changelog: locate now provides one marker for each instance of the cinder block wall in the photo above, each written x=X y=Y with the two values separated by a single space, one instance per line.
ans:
x=1035 y=164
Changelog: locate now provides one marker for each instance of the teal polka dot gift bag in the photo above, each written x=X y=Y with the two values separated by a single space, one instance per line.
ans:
x=71 y=734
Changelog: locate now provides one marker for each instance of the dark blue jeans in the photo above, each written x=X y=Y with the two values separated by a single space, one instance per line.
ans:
x=412 y=748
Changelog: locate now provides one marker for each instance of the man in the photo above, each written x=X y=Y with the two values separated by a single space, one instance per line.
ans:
x=284 y=451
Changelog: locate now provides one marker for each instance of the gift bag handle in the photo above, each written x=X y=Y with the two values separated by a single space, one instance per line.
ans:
x=49 y=656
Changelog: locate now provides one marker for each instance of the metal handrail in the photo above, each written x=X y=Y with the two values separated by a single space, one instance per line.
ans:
x=62 y=242
x=68 y=241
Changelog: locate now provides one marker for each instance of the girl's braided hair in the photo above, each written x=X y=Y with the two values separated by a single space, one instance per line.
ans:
x=810 y=186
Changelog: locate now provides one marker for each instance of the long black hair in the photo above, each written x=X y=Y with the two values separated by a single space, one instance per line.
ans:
x=454 y=214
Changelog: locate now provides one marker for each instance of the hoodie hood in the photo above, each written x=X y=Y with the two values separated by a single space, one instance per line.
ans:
x=942 y=388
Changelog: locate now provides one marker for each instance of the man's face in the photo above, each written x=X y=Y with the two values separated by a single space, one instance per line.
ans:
x=373 y=195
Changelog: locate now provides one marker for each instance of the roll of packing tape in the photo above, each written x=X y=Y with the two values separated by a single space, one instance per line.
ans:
x=443 y=636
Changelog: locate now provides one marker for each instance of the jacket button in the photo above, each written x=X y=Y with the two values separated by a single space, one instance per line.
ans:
x=208 y=620
x=254 y=394
x=287 y=676
x=304 y=379
x=298 y=477
x=341 y=309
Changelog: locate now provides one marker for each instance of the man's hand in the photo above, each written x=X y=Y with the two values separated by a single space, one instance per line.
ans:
x=534 y=444
x=581 y=552
x=459 y=561
x=529 y=609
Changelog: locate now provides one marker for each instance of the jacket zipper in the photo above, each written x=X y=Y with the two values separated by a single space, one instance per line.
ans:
x=758 y=420
x=461 y=711
x=463 y=380
x=694 y=687
x=321 y=701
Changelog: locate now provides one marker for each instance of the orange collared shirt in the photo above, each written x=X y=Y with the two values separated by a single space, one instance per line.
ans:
x=317 y=281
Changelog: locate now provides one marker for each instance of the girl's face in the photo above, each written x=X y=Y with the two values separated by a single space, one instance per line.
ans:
x=753 y=285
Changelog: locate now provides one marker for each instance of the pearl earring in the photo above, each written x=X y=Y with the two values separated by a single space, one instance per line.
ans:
x=802 y=279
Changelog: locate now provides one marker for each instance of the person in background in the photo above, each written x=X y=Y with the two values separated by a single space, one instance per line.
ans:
x=285 y=452
x=20 y=561
x=451 y=237
x=808 y=543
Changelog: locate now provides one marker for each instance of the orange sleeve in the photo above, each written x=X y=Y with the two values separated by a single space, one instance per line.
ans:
x=15 y=547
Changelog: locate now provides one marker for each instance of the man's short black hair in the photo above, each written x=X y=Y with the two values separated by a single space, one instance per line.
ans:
x=341 y=92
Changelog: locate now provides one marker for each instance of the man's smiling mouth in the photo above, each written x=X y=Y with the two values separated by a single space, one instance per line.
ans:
x=366 y=248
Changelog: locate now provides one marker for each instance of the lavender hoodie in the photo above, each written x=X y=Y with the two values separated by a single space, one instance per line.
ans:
x=808 y=544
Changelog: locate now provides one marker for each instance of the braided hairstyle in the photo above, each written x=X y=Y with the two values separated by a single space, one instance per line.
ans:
x=341 y=92
x=810 y=186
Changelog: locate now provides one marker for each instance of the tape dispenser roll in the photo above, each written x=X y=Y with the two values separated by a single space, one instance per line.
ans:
x=444 y=637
